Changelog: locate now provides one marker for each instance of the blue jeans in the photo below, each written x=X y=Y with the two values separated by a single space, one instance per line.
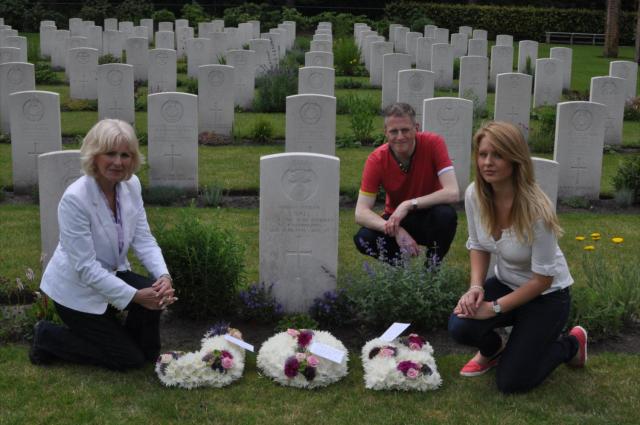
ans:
x=535 y=347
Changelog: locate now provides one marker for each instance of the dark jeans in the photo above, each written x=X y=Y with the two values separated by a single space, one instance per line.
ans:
x=434 y=228
x=535 y=347
x=101 y=339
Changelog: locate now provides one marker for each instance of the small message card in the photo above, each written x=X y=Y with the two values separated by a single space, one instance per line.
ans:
x=327 y=352
x=394 y=331
x=240 y=343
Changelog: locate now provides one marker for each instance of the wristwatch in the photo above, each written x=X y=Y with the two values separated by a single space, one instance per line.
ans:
x=497 y=309
x=414 y=204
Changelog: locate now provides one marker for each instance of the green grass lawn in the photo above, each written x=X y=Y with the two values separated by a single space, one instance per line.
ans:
x=606 y=392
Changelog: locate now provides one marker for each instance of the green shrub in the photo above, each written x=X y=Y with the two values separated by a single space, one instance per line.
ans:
x=257 y=303
x=212 y=195
x=194 y=13
x=408 y=292
x=45 y=75
x=456 y=68
x=206 y=264
x=576 y=202
x=341 y=23
x=332 y=309
x=632 y=109
x=141 y=101
x=576 y=95
x=609 y=298
x=108 y=58
x=302 y=43
x=528 y=67
x=133 y=10
x=542 y=137
x=362 y=118
x=419 y=22
x=628 y=176
x=163 y=15
x=181 y=67
x=3 y=195
x=96 y=10
x=346 y=57
x=262 y=131
x=190 y=85
x=296 y=321
x=162 y=195
x=273 y=87
x=72 y=105
x=350 y=83
x=624 y=197
x=294 y=59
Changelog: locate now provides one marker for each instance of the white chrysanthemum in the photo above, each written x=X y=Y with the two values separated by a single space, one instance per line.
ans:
x=190 y=371
x=277 y=349
x=381 y=373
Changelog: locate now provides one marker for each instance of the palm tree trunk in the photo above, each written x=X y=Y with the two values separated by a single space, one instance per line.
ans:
x=612 y=29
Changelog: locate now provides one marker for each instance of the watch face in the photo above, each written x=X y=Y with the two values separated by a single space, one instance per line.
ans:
x=496 y=307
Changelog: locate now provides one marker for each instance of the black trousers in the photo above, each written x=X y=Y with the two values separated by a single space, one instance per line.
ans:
x=102 y=339
x=433 y=227
x=535 y=347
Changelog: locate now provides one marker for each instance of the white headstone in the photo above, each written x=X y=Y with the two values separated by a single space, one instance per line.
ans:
x=412 y=44
x=610 y=91
x=125 y=27
x=321 y=46
x=391 y=64
x=95 y=38
x=299 y=205
x=182 y=23
x=477 y=47
x=459 y=42
x=58 y=52
x=378 y=50
x=47 y=34
x=311 y=124
x=442 y=35
x=113 y=43
x=19 y=43
x=262 y=47
x=442 y=64
x=218 y=25
x=165 y=26
x=504 y=40
x=513 y=100
x=216 y=93
x=629 y=71
x=392 y=31
x=83 y=73
x=199 y=52
x=400 y=39
x=9 y=54
x=318 y=59
x=236 y=43
x=14 y=77
x=316 y=80
x=244 y=65
x=56 y=171
x=527 y=49
x=148 y=24
x=35 y=125
x=430 y=31
x=565 y=55
x=163 y=71
x=116 y=92
x=423 y=52
x=182 y=35
x=138 y=55
x=466 y=30
x=501 y=62
x=481 y=34
x=546 y=172
x=165 y=40
x=173 y=140
x=414 y=86
x=474 y=76
x=578 y=148
x=547 y=85
x=110 y=24
x=220 y=43
x=452 y=118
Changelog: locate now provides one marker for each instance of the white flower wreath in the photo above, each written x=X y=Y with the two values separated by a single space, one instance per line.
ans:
x=404 y=364
x=218 y=363
x=285 y=358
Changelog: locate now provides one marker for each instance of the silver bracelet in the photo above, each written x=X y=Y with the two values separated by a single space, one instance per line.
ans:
x=475 y=286
x=168 y=276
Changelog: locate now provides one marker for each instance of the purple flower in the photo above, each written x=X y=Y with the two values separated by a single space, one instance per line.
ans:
x=304 y=338
x=309 y=373
x=219 y=328
x=405 y=365
x=291 y=366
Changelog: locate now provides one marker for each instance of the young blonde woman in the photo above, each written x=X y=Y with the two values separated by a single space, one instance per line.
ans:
x=510 y=217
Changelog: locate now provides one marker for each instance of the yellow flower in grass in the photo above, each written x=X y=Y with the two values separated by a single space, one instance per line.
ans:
x=580 y=238
x=617 y=240
x=595 y=236
x=589 y=248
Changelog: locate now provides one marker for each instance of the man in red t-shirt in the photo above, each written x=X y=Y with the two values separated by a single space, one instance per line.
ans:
x=415 y=171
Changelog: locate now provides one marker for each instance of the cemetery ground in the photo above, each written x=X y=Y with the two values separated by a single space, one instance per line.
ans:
x=605 y=392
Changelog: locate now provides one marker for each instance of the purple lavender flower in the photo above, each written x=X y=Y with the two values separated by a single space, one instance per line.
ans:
x=304 y=338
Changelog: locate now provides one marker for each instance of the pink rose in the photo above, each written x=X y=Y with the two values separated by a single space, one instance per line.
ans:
x=414 y=346
x=293 y=332
x=227 y=362
x=313 y=361
x=386 y=352
x=165 y=358
x=300 y=357
x=412 y=373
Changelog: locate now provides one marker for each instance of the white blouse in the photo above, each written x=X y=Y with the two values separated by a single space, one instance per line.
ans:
x=516 y=262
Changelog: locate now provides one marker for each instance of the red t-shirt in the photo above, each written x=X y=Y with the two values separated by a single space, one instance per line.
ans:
x=430 y=159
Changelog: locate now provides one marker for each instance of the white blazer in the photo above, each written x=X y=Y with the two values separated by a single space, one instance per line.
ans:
x=81 y=273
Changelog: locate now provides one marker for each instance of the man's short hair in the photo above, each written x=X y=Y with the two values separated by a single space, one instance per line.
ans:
x=399 y=109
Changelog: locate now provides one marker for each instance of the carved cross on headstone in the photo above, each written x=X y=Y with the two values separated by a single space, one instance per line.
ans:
x=298 y=253
x=216 y=109
x=173 y=156
x=35 y=154
x=115 y=111
x=578 y=169
x=513 y=115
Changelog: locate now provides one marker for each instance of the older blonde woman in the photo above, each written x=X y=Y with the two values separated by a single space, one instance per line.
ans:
x=101 y=216
x=509 y=216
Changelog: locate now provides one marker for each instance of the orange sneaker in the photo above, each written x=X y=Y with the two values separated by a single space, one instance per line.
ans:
x=473 y=368
x=580 y=359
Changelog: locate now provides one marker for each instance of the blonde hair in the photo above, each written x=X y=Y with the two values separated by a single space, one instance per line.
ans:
x=530 y=203
x=104 y=137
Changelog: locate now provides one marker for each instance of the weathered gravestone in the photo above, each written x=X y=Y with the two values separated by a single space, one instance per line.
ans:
x=116 y=92
x=311 y=124
x=477 y=47
x=430 y=31
x=527 y=56
x=414 y=86
x=629 y=71
x=459 y=43
x=501 y=62
x=412 y=44
x=148 y=24
x=513 y=100
x=474 y=75
x=442 y=35
x=504 y=40
x=578 y=148
x=244 y=65
x=318 y=59
x=423 y=52
x=182 y=35
x=299 y=194
x=400 y=39
x=58 y=52
x=165 y=26
x=163 y=71
x=262 y=47
x=9 y=54
x=479 y=34
x=14 y=77
x=610 y=91
x=378 y=50
x=467 y=30
x=83 y=73
x=47 y=33
x=35 y=129
x=18 y=43
x=126 y=27
x=95 y=38
x=137 y=50
x=56 y=171
x=442 y=65
x=321 y=46
x=113 y=43
x=199 y=52
x=547 y=85
x=165 y=40
x=220 y=43
x=73 y=43
x=452 y=118
x=391 y=64
x=565 y=55
x=316 y=80
x=216 y=94
x=110 y=24
x=546 y=173
x=173 y=140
